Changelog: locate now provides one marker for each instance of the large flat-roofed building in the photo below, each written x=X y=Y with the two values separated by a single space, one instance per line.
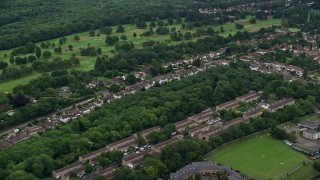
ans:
x=122 y=144
x=204 y=168
x=228 y=105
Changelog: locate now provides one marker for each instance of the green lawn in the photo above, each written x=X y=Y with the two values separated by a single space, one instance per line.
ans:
x=9 y=85
x=261 y=157
x=294 y=29
x=87 y=63
x=305 y=172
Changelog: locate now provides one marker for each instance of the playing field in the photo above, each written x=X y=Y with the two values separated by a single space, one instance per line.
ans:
x=305 y=172
x=260 y=157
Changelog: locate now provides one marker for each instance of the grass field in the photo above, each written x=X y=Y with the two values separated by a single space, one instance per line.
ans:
x=305 y=172
x=260 y=157
x=9 y=85
x=294 y=29
x=87 y=63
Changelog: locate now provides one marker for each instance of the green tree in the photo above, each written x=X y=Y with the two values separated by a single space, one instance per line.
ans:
x=222 y=29
x=120 y=29
x=123 y=37
x=70 y=47
x=58 y=49
x=253 y=20
x=76 y=38
x=88 y=168
x=99 y=51
x=11 y=60
x=92 y=33
x=38 y=52
x=46 y=54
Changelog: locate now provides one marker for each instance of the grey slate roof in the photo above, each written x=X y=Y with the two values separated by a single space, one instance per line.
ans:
x=203 y=166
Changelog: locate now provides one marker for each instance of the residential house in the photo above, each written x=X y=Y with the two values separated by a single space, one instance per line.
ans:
x=309 y=125
x=204 y=116
x=107 y=172
x=135 y=160
x=92 y=155
x=123 y=144
x=146 y=132
x=65 y=118
x=251 y=96
x=184 y=124
x=118 y=80
x=98 y=103
x=160 y=146
x=234 y=121
x=33 y=130
x=280 y=104
x=205 y=135
x=311 y=134
x=117 y=95
x=195 y=131
x=18 y=137
x=64 y=172
x=76 y=113
x=108 y=98
x=252 y=113
x=228 y=105
x=4 y=144
x=49 y=124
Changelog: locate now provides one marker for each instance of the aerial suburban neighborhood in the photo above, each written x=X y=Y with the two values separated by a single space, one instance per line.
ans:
x=176 y=90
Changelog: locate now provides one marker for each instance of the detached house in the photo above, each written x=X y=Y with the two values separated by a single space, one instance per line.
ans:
x=311 y=134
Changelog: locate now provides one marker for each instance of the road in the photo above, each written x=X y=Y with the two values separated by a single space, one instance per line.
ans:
x=24 y=124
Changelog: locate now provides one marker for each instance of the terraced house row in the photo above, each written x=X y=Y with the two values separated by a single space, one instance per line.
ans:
x=202 y=126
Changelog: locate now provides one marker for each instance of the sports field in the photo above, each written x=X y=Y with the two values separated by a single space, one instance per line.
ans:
x=261 y=157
